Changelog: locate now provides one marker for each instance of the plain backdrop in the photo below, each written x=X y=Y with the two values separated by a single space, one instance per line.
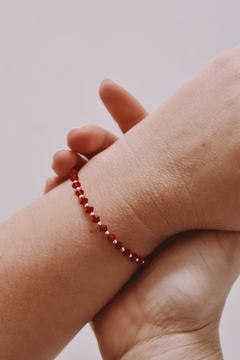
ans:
x=55 y=53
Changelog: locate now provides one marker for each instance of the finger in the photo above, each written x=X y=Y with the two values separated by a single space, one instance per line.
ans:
x=123 y=106
x=51 y=183
x=64 y=160
x=182 y=290
x=89 y=140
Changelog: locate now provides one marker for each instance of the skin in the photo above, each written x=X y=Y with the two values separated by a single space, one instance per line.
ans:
x=90 y=139
x=56 y=275
x=173 y=308
x=190 y=128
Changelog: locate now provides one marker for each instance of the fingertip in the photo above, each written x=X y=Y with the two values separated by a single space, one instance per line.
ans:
x=84 y=128
x=90 y=140
x=106 y=88
x=64 y=160
x=58 y=159
x=106 y=82
x=123 y=106
x=71 y=131
x=80 y=139
x=58 y=154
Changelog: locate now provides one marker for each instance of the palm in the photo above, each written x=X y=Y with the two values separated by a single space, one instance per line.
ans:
x=184 y=289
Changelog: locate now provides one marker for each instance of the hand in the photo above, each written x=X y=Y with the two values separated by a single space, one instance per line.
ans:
x=196 y=162
x=172 y=309
x=179 y=171
x=90 y=139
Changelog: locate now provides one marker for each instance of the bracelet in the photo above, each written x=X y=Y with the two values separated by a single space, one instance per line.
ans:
x=140 y=260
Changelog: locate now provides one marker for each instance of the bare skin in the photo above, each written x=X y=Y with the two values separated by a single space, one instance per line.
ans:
x=43 y=286
x=56 y=274
x=187 y=149
x=90 y=139
x=173 y=308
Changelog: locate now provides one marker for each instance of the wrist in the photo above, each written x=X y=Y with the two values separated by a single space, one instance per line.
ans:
x=177 y=346
x=140 y=215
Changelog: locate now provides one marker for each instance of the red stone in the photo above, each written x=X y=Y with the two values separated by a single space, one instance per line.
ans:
x=79 y=192
x=73 y=177
x=118 y=245
x=140 y=260
x=73 y=172
x=111 y=237
x=134 y=256
x=103 y=228
x=147 y=260
x=84 y=201
x=89 y=209
x=77 y=167
x=95 y=219
x=126 y=252
x=76 y=185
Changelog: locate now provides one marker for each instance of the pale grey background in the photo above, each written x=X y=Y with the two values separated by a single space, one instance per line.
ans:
x=55 y=53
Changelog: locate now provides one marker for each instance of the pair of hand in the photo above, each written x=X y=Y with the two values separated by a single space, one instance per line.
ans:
x=172 y=308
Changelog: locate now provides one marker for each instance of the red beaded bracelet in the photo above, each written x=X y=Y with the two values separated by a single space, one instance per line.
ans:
x=140 y=260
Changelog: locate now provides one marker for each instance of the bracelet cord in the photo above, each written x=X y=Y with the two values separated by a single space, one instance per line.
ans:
x=139 y=260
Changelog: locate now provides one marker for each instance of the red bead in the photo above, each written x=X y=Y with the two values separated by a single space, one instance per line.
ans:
x=147 y=260
x=73 y=177
x=140 y=260
x=111 y=237
x=118 y=245
x=76 y=185
x=77 y=167
x=89 y=209
x=73 y=172
x=103 y=228
x=126 y=252
x=79 y=192
x=95 y=219
x=134 y=257
x=84 y=201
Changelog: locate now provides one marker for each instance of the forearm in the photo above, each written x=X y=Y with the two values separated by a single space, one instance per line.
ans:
x=57 y=270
